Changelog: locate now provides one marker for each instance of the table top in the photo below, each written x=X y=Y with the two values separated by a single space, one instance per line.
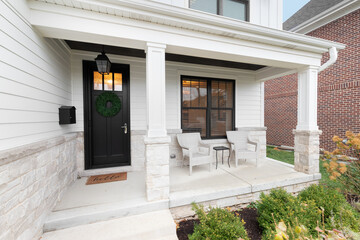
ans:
x=220 y=148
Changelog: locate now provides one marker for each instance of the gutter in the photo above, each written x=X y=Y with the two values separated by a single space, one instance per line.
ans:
x=333 y=57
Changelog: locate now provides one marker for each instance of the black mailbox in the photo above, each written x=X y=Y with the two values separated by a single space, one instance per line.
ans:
x=67 y=115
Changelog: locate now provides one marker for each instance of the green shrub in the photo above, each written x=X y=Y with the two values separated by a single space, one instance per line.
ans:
x=328 y=199
x=337 y=212
x=217 y=224
x=314 y=207
x=281 y=206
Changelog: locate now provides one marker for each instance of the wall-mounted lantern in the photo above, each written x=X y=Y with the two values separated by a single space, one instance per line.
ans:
x=103 y=63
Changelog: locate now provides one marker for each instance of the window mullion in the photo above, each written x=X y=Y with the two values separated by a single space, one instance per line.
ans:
x=220 y=7
x=208 y=110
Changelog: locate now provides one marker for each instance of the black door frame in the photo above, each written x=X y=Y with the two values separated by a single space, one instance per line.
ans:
x=88 y=67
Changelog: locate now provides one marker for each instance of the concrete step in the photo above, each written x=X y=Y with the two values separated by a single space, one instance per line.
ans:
x=94 y=213
x=158 y=225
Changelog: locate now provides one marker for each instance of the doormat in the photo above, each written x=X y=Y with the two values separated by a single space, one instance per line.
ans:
x=113 y=177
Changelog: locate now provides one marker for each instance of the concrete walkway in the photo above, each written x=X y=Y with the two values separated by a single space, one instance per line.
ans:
x=157 y=225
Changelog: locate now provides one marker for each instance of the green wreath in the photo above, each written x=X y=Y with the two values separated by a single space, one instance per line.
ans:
x=101 y=104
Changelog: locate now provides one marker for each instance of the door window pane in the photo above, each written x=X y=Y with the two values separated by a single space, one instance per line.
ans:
x=108 y=82
x=221 y=121
x=209 y=6
x=234 y=9
x=97 y=81
x=117 y=81
x=194 y=120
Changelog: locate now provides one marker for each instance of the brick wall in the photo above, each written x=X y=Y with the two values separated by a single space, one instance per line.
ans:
x=339 y=89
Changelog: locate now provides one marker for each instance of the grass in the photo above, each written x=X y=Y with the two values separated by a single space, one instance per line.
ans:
x=288 y=157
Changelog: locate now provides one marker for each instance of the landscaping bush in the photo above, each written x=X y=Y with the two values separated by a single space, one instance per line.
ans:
x=315 y=208
x=348 y=150
x=217 y=224
x=337 y=212
x=282 y=206
x=328 y=199
x=299 y=232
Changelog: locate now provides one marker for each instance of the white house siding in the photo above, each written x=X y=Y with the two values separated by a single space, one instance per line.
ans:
x=248 y=104
x=34 y=81
x=267 y=13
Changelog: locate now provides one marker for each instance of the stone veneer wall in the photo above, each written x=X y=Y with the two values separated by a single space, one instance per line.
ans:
x=138 y=148
x=307 y=151
x=236 y=202
x=32 y=180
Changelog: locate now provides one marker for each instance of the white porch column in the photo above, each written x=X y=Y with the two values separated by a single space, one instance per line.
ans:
x=156 y=140
x=307 y=131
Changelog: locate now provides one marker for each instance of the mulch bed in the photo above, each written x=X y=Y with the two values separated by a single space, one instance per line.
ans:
x=249 y=215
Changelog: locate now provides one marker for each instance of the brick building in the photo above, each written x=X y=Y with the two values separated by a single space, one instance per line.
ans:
x=338 y=85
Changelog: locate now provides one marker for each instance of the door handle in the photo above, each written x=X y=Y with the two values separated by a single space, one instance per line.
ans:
x=125 y=128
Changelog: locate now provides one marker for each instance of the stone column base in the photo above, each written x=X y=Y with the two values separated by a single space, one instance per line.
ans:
x=157 y=161
x=307 y=150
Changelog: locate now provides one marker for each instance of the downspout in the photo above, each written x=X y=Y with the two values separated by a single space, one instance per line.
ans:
x=333 y=57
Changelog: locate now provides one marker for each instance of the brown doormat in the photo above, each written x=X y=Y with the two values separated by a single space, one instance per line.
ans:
x=113 y=177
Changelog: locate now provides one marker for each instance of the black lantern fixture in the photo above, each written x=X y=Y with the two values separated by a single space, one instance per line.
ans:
x=103 y=63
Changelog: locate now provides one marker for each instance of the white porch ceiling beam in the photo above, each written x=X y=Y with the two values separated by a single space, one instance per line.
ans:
x=80 y=25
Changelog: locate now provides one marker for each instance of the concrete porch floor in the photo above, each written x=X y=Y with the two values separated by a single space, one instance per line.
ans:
x=84 y=204
x=231 y=186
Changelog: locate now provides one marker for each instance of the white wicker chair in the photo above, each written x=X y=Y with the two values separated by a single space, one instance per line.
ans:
x=239 y=141
x=194 y=150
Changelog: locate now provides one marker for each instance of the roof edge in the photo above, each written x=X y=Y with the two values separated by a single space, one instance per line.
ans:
x=331 y=14
x=211 y=21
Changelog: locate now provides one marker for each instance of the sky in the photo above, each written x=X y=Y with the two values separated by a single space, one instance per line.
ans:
x=292 y=6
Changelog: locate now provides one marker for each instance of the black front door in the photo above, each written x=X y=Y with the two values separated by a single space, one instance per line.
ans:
x=106 y=116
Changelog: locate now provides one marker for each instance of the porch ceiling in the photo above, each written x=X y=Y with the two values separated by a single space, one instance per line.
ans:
x=185 y=31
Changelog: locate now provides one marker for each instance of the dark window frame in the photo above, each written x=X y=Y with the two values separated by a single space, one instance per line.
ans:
x=220 y=9
x=209 y=107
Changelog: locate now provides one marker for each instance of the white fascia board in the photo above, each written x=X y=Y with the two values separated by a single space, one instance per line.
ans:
x=269 y=73
x=186 y=18
x=74 y=24
x=341 y=9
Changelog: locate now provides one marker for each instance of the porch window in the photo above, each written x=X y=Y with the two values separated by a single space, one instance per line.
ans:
x=237 y=9
x=207 y=106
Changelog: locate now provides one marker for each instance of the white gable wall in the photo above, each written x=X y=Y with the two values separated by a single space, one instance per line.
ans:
x=248 y=92
x=34 y=80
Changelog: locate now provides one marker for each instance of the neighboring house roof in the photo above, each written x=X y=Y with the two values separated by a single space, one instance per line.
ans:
x=310 y=10
x=317 y=13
